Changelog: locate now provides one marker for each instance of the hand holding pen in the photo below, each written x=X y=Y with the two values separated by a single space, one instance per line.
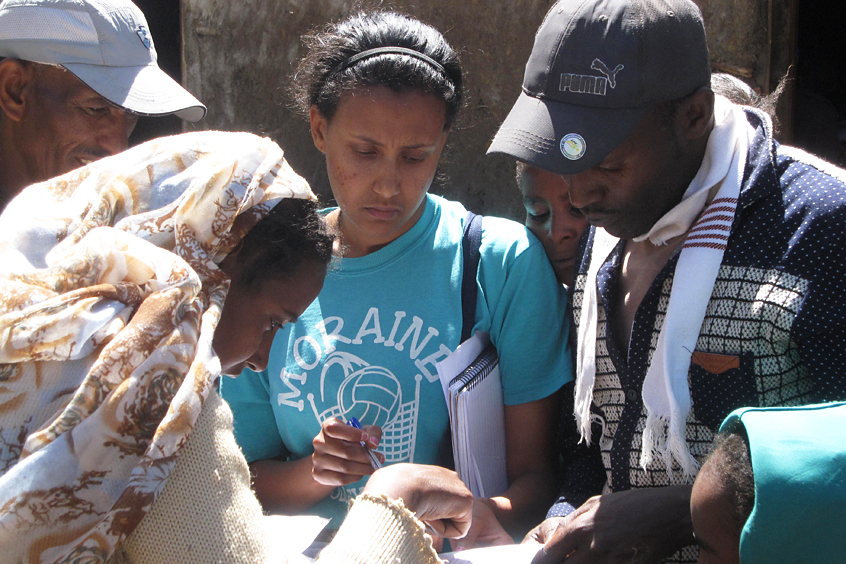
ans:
x=343 y=454
x=374 y=460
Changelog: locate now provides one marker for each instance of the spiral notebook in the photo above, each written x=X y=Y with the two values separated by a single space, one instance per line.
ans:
x=473 y=391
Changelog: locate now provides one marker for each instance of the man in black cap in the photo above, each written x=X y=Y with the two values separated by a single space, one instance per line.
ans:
x=74 y=76
x=713 y=276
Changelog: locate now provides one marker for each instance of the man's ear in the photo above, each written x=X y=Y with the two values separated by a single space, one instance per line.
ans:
x=318 y=125
x=696 y=115
x=17 y=79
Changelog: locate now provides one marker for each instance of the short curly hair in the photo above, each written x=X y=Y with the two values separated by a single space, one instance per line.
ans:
x=732 y=466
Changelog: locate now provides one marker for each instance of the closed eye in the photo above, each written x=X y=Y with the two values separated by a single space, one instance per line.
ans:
x=536 y=211
x=96 y=110
x=415 y=158
x=615 y=167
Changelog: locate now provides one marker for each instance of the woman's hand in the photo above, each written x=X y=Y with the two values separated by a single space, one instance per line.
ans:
x=434 y=494
x=339 y=459
x=485 y=529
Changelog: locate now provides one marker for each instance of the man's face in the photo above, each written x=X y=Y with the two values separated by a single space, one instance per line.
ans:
x=66 y=125
x=636 y=184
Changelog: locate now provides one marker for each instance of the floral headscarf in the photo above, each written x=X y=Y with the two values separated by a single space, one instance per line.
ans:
x=109 y=298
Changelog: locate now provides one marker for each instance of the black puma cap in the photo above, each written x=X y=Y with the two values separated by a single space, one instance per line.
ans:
x=596 y=68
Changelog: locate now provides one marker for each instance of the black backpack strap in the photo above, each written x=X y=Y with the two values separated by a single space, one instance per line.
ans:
x=470 y=243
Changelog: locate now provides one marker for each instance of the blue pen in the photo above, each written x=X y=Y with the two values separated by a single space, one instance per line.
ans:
x=374 y=460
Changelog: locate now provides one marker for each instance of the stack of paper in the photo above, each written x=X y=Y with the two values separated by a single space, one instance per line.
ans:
x=473 y=391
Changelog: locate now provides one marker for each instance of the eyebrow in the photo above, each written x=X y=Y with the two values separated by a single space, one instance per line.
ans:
x=378 y=144
x=98 y=98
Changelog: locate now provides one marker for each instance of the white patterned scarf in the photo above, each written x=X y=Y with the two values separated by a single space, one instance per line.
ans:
x=109 y=298
x=666 y=394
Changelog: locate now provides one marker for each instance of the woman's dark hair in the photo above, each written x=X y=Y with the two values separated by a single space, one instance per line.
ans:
x=741 y=93
x=324 y=74
x=292 y=233
x=732 y=466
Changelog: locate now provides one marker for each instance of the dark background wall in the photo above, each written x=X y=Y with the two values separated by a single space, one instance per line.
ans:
x=237 y=56
x=164 y=20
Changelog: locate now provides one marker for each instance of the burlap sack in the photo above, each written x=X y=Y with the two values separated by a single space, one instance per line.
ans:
x=206 y=513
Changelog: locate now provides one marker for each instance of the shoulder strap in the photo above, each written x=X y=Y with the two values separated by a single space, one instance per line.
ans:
x=470 y=243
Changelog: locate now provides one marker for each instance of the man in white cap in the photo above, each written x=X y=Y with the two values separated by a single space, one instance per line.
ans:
x=713 y=276
x=74 y=76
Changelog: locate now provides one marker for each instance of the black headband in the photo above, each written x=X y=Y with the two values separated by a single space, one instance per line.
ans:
x=388 y=50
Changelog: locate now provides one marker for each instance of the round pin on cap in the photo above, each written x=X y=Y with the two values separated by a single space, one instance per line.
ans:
x=573 y=146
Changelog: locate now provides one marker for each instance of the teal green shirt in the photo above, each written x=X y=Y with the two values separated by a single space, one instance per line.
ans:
x=368 y=345
x=798 y=457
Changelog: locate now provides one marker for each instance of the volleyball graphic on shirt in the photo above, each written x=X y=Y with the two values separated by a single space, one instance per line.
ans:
x=372 y=395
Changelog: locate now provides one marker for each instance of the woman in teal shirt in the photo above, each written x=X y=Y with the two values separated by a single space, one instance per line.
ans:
x=381 y=92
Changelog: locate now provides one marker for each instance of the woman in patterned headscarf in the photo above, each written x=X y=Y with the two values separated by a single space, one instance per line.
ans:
x=113 y=325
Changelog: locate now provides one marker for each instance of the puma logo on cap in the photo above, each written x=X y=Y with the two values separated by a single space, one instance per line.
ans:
x=610 y=74
x=590 y=84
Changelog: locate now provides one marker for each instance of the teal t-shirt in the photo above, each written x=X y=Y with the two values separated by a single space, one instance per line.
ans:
x=368 y=345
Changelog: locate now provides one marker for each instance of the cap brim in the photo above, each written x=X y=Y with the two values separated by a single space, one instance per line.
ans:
x=146 y=90
x=534 y=129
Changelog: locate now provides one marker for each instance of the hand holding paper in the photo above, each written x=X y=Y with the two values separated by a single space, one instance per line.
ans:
x=650 y=523
x=485 y=529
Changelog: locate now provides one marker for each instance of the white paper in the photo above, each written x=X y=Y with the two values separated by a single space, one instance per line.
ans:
x=508 y=554
x=477 y=424
x=477 y=420
x=482 y=422
x=291 y=535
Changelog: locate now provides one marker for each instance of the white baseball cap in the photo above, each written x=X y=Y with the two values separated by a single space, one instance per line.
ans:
x=105 y=43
